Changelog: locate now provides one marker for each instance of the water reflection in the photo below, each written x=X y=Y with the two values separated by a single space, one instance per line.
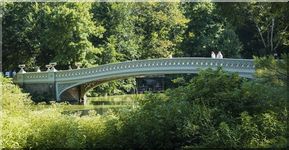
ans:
x=102 y=105
x=98 y=111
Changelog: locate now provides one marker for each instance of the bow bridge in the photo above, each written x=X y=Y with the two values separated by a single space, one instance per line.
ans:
x=73 y=84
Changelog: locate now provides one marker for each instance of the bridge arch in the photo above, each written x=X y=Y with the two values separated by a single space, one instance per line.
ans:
x=85 y=86
x=153 y=67
x=78 y=81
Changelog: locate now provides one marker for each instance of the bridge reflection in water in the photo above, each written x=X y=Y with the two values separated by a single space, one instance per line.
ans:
x=73 y=84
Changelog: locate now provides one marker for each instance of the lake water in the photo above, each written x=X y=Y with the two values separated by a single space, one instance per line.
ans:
x=102 y=105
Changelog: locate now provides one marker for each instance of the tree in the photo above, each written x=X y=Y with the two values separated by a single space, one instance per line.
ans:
x=65 y=30
x=39 y=33
x=20 y=45
x=271 y=22
x=137 y=31
x=160 y=26
x=262 y=27
x=117 y=19
x=229 y=43
x=207 y=31
x=273 y=70
x=119 y=41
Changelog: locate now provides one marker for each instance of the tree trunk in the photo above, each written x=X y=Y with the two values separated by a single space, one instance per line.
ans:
x=263 y=41
x=271 y=39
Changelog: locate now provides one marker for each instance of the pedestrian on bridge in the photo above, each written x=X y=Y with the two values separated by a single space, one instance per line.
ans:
x=213 y=55
x=220 y=55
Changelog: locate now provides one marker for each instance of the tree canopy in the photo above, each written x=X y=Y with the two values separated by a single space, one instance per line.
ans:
x=99 y=33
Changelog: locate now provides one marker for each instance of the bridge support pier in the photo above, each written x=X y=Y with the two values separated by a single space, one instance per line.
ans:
x=40 y=91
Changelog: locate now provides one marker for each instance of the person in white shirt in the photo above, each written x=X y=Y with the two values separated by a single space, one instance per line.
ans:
x=219 y=55
x=213 y=55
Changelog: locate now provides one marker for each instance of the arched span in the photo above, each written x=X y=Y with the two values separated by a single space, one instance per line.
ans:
x=89 y=77
x=78 y=81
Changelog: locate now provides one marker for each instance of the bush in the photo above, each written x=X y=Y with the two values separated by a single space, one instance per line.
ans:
x=15 y=124
x=214 y=109
x=47 y=127
x=51 y=129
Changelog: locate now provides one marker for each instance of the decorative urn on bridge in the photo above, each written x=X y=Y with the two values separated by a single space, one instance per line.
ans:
x=48 y=67
x=53 y=64
x=22 y=66
x=78 y=64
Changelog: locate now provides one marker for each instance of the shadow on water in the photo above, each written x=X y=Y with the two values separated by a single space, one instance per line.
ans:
x=104 y=102
x=84 y=112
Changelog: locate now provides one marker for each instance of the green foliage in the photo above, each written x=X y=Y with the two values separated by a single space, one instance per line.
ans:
x=14 y=101
x=15 y=128
x=229 y=43
x=117 y=87
x=262 y=27
x=273 y=70
x=49 y=32
x=179 y=81
x=214 y=109
x=44 y=128
x=38 y=33
x=50 y=130
x=100 y=33
x=207 y=31
x=19 y=42
x=119 y=41
x=162 y=26
x=73 y=25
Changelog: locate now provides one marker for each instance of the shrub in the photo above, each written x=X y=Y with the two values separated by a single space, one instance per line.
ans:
x=215 y=109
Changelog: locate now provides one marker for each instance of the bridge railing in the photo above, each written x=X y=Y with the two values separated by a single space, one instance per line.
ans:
x=36 y=75
x=237 y=65
x=232 y=64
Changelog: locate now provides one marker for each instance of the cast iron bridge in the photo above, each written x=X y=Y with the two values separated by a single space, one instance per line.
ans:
x=73 y=84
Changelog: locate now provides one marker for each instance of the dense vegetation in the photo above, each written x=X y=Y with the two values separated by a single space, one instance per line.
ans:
x=214 y=109
x=99 y=33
